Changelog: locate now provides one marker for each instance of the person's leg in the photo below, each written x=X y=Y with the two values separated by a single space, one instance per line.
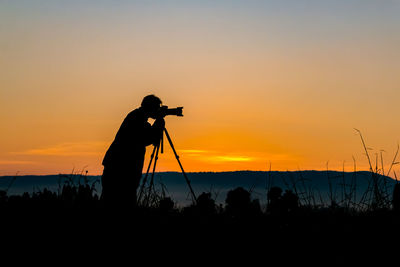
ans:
x=135 y=179
x=112 y=182
x=119 y=186
x=105 y=178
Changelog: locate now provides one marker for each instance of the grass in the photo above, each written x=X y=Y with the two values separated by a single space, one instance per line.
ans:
x=292 y=227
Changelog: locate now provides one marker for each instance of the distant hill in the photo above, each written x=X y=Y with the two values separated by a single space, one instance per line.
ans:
x=320 y=184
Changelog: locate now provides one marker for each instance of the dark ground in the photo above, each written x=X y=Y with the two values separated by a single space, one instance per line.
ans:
x=304 y=238
x=75 y=225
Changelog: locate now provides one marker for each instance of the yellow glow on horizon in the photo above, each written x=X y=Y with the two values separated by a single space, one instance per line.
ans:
x=230 y=158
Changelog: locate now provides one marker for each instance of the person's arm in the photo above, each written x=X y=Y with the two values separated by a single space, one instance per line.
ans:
x=154 y=132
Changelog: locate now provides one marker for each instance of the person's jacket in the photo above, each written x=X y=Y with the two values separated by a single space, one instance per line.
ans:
x=129 y=145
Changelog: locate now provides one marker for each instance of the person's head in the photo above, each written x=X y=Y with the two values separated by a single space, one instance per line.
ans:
x=151 y=105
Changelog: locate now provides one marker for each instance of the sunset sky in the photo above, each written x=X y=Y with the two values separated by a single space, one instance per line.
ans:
x=261 y=82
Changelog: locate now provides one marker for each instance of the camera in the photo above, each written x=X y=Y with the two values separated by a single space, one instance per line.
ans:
x=165 y=111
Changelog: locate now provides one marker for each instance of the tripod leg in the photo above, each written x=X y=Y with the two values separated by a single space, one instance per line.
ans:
x=152 y=175
x=180 y=165
x=145 y=177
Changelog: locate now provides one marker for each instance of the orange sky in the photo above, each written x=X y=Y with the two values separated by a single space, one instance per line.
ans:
x=260 y=82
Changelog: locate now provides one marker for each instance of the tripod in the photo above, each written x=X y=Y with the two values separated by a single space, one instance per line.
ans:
x=154 y=155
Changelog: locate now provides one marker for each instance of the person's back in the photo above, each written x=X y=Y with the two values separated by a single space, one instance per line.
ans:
x=123 y=161
x=129 y=143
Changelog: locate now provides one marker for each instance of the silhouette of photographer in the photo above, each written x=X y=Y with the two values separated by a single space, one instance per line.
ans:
x=123 y=161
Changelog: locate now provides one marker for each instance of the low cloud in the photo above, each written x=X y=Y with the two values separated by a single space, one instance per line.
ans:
x=68 y=149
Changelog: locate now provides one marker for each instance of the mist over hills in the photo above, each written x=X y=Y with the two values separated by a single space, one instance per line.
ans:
x=323 y=185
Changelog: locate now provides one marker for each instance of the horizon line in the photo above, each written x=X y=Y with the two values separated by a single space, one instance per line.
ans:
x=308 y=170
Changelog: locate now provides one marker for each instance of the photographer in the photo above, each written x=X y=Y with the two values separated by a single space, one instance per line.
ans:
x=123 y=161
